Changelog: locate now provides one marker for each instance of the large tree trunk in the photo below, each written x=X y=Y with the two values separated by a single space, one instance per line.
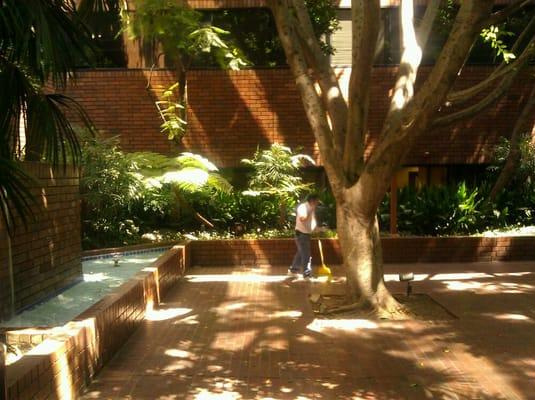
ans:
x=360 y=182
x=360 y=243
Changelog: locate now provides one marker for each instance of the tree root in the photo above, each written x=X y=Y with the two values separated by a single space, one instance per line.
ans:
x=391 y=311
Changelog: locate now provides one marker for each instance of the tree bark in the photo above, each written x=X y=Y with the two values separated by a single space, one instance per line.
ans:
x=523 y=125
x=360 y=243
x=359 y=185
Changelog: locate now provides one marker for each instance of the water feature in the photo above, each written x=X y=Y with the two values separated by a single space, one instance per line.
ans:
x=101 y=275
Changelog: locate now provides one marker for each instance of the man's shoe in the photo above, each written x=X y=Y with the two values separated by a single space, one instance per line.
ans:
x=292 y=272
x=307 y=275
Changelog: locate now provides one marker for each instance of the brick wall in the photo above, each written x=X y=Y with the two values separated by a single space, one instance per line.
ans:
x=395 y=250
x=46 y=254
x=231 y=113
x=66 y=361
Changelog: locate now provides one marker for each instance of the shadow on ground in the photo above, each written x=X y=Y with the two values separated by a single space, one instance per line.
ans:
x=250 y=334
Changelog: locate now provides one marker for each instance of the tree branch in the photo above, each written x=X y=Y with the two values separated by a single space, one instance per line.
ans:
x=523 y=125
x=404 y=126
x=466 y=94
x=366 y=17
x=313 y=105
x=500 y=16
x=496 y=93
x=408 y=67
x=332 y=94
x=424 y=30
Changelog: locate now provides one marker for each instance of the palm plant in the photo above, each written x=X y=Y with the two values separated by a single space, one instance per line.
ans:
x=276 y=172
x=40 y=42
x=188 y=175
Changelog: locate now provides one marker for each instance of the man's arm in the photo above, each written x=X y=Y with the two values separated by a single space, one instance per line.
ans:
x=302 y=213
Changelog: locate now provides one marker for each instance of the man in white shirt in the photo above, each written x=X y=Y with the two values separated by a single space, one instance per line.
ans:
x=305 y=223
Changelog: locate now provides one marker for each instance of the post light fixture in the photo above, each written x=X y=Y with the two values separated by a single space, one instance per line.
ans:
x=407 y=277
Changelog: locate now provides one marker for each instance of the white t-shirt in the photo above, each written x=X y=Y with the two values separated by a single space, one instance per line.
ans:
x=304 y=210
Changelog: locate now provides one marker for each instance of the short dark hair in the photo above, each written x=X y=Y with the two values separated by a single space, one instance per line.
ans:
x=312 y=197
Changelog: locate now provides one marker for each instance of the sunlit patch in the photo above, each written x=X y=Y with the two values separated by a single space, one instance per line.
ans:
x=318 y=325
x=168 y=313
x=287 y=314
x=98 y=277
x=333 y=93
x=179 y=365
x=501 y=287
x=329 y=385
x=513 y=273
x=214 y=368
x=206 y=395
x=395 y=277
x=236 y=278
x=191 y=320
x=455 y=285
x=228 y=341
x=235 y=306
x=306 y=339
x=514 y=317
x=286 y=389
x=180 y=354
x=460 y=276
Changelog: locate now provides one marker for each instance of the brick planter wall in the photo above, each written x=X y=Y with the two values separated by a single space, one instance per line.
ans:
x=395 y=250
x=46 y=254
x=64 y=363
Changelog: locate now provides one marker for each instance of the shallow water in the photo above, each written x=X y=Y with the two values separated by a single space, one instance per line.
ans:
x=100 y=277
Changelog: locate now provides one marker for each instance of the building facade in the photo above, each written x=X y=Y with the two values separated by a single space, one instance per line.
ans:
x=232 y=113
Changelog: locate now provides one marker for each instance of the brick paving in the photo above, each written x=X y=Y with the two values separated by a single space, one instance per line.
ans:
x=249 y=333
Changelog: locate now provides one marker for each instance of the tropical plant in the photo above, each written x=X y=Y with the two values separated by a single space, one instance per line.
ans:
x=183 y=37
x=110 y=189
x=276 y=172
x=178 y=181
x=255 y=34
x=39 y=43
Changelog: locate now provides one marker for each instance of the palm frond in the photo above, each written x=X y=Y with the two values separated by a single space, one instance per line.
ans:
x=15 y=197
x=47 y=36
x=48 y=128
x=196 y=161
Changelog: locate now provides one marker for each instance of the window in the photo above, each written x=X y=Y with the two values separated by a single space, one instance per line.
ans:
x=388 y=49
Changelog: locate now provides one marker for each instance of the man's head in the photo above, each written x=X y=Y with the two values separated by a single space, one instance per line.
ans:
x=313 y=199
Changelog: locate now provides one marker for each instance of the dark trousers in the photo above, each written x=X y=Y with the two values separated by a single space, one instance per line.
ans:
x=302 y=257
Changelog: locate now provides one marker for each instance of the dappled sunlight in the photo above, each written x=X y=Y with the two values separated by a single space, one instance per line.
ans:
x=227 y=341
x=489 y=287
x=165 y=314
x=190 y=320
x=460 y=276
x=395 y=277
x=181 y=354
x=231 y=278
x=512 y=317
x=292 y=314
x=504 y=274
x=250 y=333
x=320 y=325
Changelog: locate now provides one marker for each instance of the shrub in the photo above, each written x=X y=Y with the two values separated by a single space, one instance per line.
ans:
x=109 y=189
x=276 y=177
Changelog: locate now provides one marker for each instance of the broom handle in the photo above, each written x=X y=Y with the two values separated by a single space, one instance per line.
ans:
x=321 y=251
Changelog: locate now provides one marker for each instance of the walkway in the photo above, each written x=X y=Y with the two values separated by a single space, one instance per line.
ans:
x=250 y=334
